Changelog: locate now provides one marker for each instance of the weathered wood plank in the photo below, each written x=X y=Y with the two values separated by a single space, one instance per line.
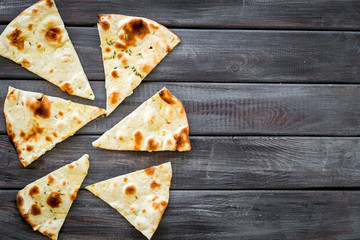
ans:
x=233 y=56
x=213 y=162
x=209 y=215
x=233 y=109
x=291 y=14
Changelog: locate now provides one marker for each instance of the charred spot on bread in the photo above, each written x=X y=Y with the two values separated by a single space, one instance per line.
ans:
x=51 y=179
x=53 y=35
x=66 y=87
x=159 y=206
x=104 y=25
x=120 y=45
x=138 y=138
x=114 y=97
x=114 y=74
x=19 y=200
x=74 y=194
x=29 y=148
x=25 y=63
x=39 y=107
x=33 y=191
x=16 y=39
x=133 y=30
x=30 y=26
x=168 y=49
x=167 y=96
x=35 y=210
x=152 y=145
x=182 y=138
x=154 y=184
x=150 y=170
x=130 y=190
x=49 y=3
x=54 y=200
x=119 y=55
x=11 y=95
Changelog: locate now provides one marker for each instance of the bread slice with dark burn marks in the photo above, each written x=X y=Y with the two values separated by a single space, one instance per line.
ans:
x=159 y=124
x=45 y=203
x=131 y=49
x=35 y=122
x=141 y=196
x=37 y=39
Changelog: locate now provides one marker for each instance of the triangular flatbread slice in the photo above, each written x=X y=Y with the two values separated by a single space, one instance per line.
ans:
x=131 y=48
x=159 y=124
x=45 y=203
x=141 y=197
x=35 y=123
x=37 y=39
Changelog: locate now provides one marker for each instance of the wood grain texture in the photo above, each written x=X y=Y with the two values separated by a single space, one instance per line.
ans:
x=233 y=109
x=233 y=56
x=213 y=162
x=291 y=14
x=209 y=215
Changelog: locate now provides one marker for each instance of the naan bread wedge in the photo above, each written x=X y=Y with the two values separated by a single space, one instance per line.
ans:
x=141 y=197
x=35 y=123
x=37 y=39
x=131 y=48
x=45 y=203
x=159 y=124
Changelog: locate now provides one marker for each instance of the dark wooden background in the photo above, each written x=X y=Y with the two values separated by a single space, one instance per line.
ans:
x=272 y=93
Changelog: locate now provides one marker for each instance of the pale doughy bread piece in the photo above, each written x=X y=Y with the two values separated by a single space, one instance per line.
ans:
x=35 y=123
x=159 y=124
x=37 y=39
x=141 y=197
x=131 y=48
x=45 y=203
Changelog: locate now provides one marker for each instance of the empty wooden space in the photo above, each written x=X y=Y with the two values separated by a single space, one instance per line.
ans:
x=272 y=93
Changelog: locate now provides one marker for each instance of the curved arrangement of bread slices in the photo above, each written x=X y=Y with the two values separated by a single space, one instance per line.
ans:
x=131 y=48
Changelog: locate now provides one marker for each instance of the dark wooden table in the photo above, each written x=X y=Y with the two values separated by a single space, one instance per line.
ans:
x=272 y=93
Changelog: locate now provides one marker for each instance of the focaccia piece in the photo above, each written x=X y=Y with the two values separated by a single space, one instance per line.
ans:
x=159 y=124
x=141 y=197
x=35 y=123
x=37 y=39
x=131 y=48
x=45 y=203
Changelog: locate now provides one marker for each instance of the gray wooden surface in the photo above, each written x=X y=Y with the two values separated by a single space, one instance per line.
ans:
x=242 y=162
x=271 y=90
